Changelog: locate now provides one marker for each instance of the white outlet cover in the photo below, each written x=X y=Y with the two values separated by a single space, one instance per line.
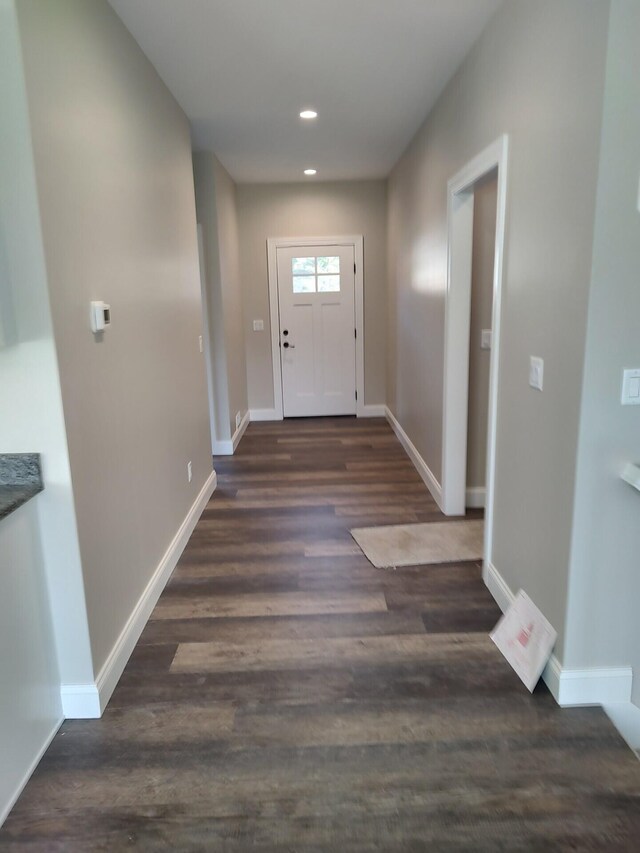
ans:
x=536 y=372
x=631 y=387
x=258 y=325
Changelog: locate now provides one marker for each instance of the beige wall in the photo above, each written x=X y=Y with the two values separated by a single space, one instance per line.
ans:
x=114 y=179
x=485 y=200
x=603 y=624
x=217 y=214
x=537 y=74
x=311 y=210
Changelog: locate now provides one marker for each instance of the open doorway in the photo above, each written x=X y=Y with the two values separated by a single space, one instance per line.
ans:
x=462 y=189
x=480 y=332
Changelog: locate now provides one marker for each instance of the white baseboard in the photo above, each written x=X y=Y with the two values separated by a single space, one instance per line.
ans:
x=625 y=716
x=223 y=448
x=227 y=447
x=375 y=410
x=593 y=686
x=475 y=497
x=264 y=415
x=244 y=423
x=420 y=465
x=6 y=807
x=497 y=586
x=569 y=687
x=81 y=701
x=88 y=701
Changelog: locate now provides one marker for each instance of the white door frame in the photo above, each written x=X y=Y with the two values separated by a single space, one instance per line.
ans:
x=275 y=243
x=206 y=342
x=457 y=323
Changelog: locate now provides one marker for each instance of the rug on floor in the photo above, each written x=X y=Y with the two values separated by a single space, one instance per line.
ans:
x=419 y=544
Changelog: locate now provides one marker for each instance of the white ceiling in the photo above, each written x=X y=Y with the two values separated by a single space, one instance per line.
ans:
x=243 y=69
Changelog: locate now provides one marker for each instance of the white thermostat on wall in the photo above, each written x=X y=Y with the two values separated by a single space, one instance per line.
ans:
x=100 y=316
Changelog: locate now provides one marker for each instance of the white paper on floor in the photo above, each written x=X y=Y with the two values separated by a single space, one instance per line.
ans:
x=525 y=638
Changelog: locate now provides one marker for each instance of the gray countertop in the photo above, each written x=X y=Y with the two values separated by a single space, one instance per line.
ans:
x=20 y=480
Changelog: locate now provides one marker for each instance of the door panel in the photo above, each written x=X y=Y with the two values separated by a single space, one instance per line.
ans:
x=316 y=298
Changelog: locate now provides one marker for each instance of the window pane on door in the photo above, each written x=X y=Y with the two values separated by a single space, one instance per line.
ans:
x=328 y=264
x=304 y=284
x=303 y=265
x=328 y=283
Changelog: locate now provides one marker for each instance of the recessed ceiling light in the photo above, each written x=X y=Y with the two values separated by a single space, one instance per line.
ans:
x=308 y=114
x=310 y=171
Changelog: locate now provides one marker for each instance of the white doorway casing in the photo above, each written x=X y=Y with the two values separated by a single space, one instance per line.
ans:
x=460 y=195
x=273 y=244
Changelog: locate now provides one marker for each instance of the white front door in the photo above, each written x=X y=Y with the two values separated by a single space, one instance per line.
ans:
x=316 y=297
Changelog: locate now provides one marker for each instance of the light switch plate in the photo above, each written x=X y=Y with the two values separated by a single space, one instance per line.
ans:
x=536 y=373
x=258 y=325
x=631 y=387
x=485 y=339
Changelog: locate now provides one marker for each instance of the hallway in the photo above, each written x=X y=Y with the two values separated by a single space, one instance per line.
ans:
x=285 y=695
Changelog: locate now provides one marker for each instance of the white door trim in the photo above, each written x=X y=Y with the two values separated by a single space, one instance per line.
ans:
x=275 y=243
x=206 y=340
x=457 y=318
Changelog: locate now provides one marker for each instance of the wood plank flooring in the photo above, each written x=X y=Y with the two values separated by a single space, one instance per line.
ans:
x=287 y=696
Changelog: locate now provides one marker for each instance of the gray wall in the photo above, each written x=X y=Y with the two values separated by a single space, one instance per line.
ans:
x=485 y=198
x=115 y=185
x=603 y=624
x=311 y=210
x=537 y=74
x=217 y=214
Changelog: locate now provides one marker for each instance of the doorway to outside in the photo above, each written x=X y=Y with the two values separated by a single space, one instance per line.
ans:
x=461 y=196
x=316 y=313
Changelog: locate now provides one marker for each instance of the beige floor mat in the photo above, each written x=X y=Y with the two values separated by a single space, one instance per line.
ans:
x=420 y=544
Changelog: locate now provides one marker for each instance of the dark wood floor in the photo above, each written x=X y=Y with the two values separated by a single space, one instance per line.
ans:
x=288 y=696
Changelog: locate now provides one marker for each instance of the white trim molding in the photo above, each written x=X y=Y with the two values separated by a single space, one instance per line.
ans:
x=223 y=448
x=460 y=197
x=275 y=243
x=625 y=716
x=570 y=687
x=498 y=587
x=228 y=447
x=475 y=497
x=373 y=410
x=88 y=701
x=242 y=427
x=591 y=686
x=263 y=415
x=420 y=465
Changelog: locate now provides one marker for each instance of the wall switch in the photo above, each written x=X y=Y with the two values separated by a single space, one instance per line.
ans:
x=485 y=339
x=258 y=325
x=201 y=344
x=100 y=316
x=631 y=387
x=536 y=373
x=189 y=471
x=238 y=420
